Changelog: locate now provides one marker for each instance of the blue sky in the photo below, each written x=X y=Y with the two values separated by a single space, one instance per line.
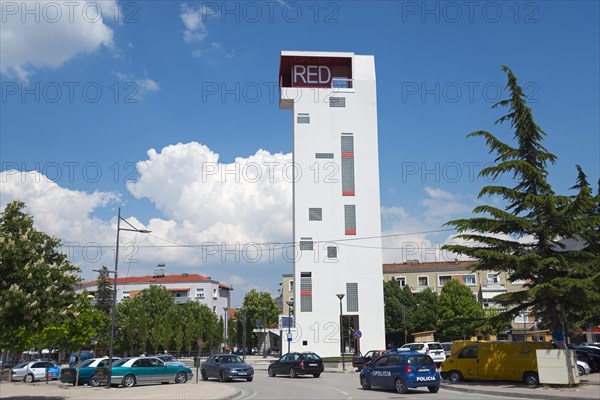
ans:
x=101 y=93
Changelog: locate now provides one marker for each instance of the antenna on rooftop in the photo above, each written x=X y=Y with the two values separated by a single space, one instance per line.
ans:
x=159 y=271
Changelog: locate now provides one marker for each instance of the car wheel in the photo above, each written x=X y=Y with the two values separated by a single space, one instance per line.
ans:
x=249 y=379
x=221 y=376
x=531 y=379
x=580 y=370
x=29 y=378
x=434 y=389
x=204 y=376
x=93 y=382
x=271 y=372
x=128 y=381
x=455 y=376
x=364 y=382
x=181 y=377
x=400 y=386
x=293 y=373
x=317 y=375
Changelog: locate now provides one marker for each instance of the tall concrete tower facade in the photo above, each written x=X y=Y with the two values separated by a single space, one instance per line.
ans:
x=336 y=205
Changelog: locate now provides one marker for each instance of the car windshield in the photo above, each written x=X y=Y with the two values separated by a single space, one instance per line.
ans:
x=435 y=346
x=312 y=357
x=419 y=361
x=87 y=363
x=231 y=360
x=119 y=362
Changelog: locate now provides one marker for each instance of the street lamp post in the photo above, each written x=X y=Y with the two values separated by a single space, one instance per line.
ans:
x=114 y=302
x=341 y=296
x=290 y=305
x=225 y=333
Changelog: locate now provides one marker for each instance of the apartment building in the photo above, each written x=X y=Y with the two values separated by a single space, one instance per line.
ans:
x=184 y=287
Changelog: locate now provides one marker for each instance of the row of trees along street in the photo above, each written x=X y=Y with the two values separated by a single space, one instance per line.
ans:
x=522 y=231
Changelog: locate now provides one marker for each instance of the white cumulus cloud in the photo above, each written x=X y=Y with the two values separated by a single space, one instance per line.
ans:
x=48 y=34
x=248 y=200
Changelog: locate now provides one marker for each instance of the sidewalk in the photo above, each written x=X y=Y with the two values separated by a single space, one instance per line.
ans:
x=57 y=391
x=589 y=388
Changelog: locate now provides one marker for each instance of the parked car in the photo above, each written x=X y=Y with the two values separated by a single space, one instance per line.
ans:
x=433 y=349
x=87 y=369
x=587 y=358
x=169 y=359
x=590 y=351
x=140 y=370
x=77 y=358
x=447 y=346
x=226 y=367
x=295 y=364
x=583 y=368
x=358 y=360
x=401 y=370
x=34 y=371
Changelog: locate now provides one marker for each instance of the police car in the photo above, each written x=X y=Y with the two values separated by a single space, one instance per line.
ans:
x=401 y=370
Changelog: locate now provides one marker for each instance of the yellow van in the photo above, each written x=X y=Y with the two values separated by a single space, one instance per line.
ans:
x=505 y=361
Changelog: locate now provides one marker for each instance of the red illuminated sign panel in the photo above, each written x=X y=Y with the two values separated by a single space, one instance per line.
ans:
x=311 y=75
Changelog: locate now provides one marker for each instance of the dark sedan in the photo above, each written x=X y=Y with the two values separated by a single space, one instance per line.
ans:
x=295 y=364
x=226 y=367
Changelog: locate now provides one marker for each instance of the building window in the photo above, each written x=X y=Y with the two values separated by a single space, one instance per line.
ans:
x=469 y=280
x=493 y=278
x=423 y=280
x=306 y=244
x=350 y=219
x=305 y=292
x=303 y=118
x=315 y=214
x=337 y=102
x=126 y=294
x=324 y=155
x=348 y=188
x=332 y=252
x=215 y=293
x=401 y=280
x=352 y=297
x=291 y=286
x=443 y=279
x=200 y=293
x=215 y=309
x=291 y=299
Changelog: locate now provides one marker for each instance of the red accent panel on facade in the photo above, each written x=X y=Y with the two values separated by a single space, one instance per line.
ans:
x=350 y=231
x=348 y=193
x=347 y=154
x=306 y=292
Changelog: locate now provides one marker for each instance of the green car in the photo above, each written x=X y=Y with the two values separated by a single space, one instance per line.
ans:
x=87 y=369
x=129 y=372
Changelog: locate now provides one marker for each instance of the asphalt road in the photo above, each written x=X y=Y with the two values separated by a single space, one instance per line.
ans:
x=331 y=386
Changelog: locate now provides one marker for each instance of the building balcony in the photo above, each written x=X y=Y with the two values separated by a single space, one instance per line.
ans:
x=493 y=287
x=182 y=300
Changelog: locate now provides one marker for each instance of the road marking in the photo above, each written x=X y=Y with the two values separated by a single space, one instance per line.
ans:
x=337 y=390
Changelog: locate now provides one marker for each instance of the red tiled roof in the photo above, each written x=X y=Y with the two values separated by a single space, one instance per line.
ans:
x=429 y=266
x=224 y=286
x=182 y=278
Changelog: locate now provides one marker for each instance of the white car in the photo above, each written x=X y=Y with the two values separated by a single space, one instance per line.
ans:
x=433 y=349
x=583 y=368
x=34 y=371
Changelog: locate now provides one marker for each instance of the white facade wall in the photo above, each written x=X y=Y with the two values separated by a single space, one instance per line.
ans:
x=318 y=185
x=215 y=303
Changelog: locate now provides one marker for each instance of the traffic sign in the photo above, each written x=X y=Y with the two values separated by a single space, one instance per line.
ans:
x=200 y=342
x=357 y=334
x=289 y=337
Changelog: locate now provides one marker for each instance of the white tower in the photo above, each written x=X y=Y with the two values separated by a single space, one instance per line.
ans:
x=336 y=200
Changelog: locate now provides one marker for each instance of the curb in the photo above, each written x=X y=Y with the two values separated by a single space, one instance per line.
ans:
x=544 y=396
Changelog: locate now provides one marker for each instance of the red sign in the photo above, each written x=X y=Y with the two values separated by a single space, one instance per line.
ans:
x=311 y=75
